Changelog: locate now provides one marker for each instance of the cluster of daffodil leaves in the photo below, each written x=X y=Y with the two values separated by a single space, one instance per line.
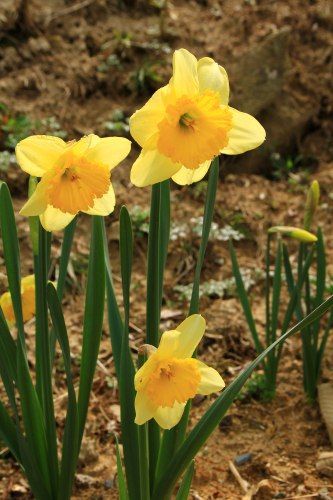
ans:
x=182 y=130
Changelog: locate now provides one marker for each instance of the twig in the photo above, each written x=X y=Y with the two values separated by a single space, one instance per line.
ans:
x=242 y=483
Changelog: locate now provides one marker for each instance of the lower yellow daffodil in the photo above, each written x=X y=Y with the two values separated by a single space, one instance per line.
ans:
x=28 y=301
x=75 y=176
x=171 y=376
x=185 y=124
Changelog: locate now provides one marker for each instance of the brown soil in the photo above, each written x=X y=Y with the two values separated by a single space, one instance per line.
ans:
x=55 y=61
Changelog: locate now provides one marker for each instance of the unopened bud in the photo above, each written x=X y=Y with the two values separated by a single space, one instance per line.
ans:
x=311 y=204
x=294 y=232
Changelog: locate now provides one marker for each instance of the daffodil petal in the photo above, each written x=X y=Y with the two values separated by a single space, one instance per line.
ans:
x=54 y=219
x=213 y=77
x=169 y=345
x=185 y=75
x=191 y=332
x=169 y=417
x=109 y=151
x=38 y=153
x=246 y=133
x=186 y=176
x=211 y=380
x=152 y=167
x=144 y=408
x=37 y=203
x=28 y=281
x=104 y=205
x=81 y=147
x=144 y=122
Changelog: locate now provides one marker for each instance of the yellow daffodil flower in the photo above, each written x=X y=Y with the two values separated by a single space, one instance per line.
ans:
x=294 y=232
x=28 y=301
x=188 y=122
x=171 y=376
x=75 y=176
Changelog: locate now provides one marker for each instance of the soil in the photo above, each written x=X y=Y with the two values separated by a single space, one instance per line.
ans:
x=79 y=61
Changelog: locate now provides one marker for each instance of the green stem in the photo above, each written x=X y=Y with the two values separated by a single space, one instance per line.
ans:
x=43 y=356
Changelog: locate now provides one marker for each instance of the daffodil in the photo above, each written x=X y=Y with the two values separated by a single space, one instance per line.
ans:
x=28 y=301
x=171 y=376
x=75 y=176
x=188 y=122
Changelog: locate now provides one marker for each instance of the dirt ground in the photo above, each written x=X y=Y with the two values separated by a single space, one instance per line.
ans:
x=76 y=67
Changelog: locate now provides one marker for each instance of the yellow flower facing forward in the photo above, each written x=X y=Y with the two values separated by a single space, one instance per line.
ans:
x=188 y=122
x=171 y=376
x=28 y=301
x=75 y=176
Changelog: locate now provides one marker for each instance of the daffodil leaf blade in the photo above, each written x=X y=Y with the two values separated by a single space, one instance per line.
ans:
x=203 y=429
x=116 y=327
x=71 y=431
x=185 y=485
x=11 y=254
x=123 y=495
x=93 y=319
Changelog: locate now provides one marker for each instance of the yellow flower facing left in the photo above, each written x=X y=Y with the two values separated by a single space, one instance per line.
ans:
x=171 y=376
x=187 y=123
x=75 y=176
x=28 y=301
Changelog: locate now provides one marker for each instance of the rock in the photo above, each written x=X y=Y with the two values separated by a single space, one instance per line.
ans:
x=242 y=459
x=257 y=78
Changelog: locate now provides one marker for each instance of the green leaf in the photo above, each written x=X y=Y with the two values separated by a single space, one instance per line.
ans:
x=8 y=432
x=127 y=371
x=123 y=495
x=185 y=485
x=244 y=300
x=71 y=431
x=93 y=320
x=203 y=429
x=12 y=255
x=33 y=421
x=213 y=180
x=116 y=327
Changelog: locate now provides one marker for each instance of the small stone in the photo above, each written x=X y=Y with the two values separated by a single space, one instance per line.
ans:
x=108 y=484
x=242 y=459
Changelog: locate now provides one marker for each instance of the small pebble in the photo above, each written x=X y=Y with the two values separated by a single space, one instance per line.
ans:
x=242 y=459
x=108 y=484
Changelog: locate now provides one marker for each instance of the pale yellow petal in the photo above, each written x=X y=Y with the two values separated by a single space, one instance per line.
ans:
x=190 y=332
x=144 y=408
x=213 y=77
x=186 y=176
x=185 y=74
x=109 y=151
x=104 y=205
x=246 y=133
x=143 y=374
x=38 y=153
x=81 y=147
x=169 y=417
x=54 y=219
x=37 y=203
x=144 y=122
x=211 y=380
x=152 y=167
x=28 y=281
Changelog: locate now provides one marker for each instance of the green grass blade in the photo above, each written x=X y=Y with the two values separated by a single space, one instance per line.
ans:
x=184 y=489
x=203 y=429
x=64 y=257
x=93 y=320
x=244 y=299
x=8 y=358
x=116 y=327
x=123 y=495
x=12 y=255
x=276 y=292
x=213 y=180
x=127 y=372
x=164 y=231
x=71 y=431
